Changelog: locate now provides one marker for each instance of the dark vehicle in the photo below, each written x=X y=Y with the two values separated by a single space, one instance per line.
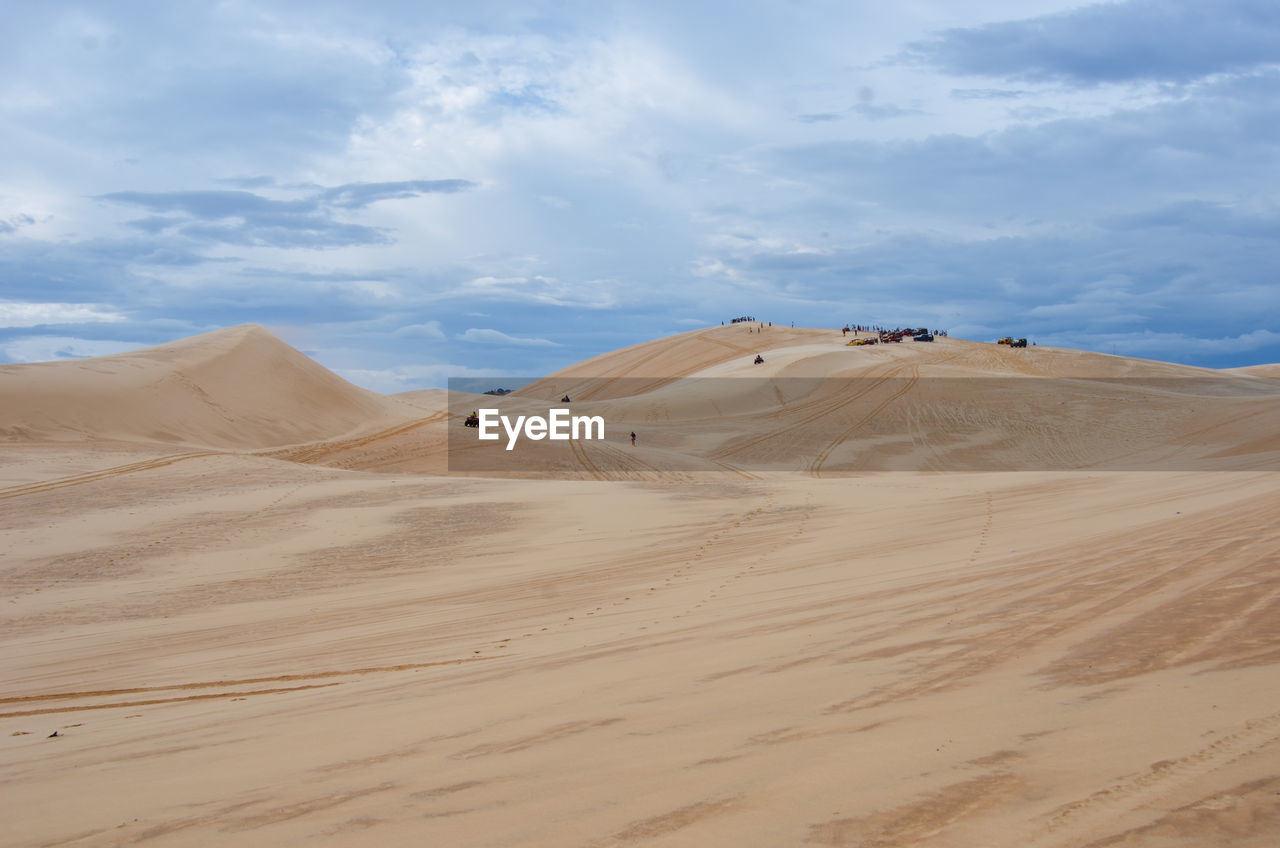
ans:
x=472 y=421
x=923 y=337
x=759 y=359
x=1018 y=343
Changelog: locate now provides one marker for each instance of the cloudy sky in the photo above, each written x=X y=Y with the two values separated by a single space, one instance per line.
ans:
x=418 y=190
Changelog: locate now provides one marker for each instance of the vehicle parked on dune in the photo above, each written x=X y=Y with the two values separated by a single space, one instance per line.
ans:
x=1006 y=340
x=1018 y=343
x=923 y=337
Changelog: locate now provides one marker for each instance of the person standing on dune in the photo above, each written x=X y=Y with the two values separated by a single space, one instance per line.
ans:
x=633 y=437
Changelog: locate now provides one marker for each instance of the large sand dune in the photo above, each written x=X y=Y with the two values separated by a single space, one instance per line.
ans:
x=250 y=616
x=236 y=388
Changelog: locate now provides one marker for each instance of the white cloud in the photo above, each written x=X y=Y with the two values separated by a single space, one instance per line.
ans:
x=406 y=378
x=26 y=314
x=589 y=294
x=428 y=331
x=487 y=336
x=52 y=348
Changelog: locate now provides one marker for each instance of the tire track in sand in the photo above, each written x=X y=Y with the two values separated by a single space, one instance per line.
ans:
x=302 y=453
x=1162 y=778
x=580 y=454
x=814 y=410
x=29 y=700
x=815 y=467
x=313 y=452
x=101 y=474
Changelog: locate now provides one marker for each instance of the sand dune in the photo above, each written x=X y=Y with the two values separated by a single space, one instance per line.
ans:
x=250 y=616
x=236 y=388
x=818 y=406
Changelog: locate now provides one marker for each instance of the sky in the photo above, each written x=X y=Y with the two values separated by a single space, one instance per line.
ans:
x=413 y=191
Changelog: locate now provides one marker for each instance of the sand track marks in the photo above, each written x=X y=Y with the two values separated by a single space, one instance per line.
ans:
x=809 y=413
x=309 y=453
x=315 y=452
x=1159 y=781
x=815 y=467
x=221 y=689
x=102 y=474
x=580 y=454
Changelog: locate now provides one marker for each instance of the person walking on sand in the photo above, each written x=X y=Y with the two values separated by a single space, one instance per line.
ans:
x=633 y=437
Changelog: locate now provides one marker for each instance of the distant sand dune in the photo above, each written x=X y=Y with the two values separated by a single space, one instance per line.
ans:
x=814 y=405
x=235 y=388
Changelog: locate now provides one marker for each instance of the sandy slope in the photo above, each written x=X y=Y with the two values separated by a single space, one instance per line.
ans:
x=1270 y=370
x=247 y=640
x=821 y=407
x=235 y=388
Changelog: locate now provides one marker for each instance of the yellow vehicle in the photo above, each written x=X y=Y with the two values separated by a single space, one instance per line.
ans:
x=1006 y=340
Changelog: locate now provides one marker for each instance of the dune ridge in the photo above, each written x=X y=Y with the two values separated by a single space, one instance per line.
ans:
x=244 y=389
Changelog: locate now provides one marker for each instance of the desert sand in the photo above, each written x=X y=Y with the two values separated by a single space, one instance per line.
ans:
x=256 y=605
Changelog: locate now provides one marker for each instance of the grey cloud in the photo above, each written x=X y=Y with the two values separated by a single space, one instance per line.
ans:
x=1201 y=218
x=360 y=195
x=818 y=117
x=1083 y=283
x=211 y=204
x=91 y=270
x=530 y=98
x=15 y=223
x=1150 y=40
x=195 y=80
x=1065 y=170
x=246 y=218
x=883 y=111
